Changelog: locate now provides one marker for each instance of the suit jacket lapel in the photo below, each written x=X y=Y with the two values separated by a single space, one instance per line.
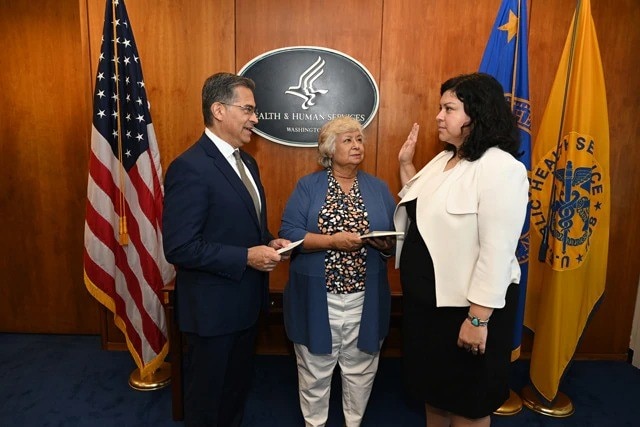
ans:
x=231 y=176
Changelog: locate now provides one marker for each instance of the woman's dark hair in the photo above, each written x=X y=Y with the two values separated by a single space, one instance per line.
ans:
x=492 y=122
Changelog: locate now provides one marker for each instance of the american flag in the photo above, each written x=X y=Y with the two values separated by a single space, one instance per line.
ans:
x=124 y=264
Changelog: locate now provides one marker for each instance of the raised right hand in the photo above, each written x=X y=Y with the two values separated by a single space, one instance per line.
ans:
x=408 y=149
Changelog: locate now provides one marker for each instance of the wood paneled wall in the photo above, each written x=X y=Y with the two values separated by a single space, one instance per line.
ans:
x=44 y=114
x=48 y=64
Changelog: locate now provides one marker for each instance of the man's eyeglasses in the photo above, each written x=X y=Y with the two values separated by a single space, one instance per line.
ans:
x=248 y=109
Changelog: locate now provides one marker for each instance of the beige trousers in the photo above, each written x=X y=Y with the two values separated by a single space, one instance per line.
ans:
x=358 y=368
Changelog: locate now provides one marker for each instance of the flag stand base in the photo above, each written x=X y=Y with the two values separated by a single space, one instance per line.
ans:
x=511 y=406
x=560 y=408
x=160 y=378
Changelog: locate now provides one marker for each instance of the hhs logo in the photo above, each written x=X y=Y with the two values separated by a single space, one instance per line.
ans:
x=305 y=89
x=298 y=89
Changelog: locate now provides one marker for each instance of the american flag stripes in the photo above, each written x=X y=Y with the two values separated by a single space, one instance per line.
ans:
x=124 y=264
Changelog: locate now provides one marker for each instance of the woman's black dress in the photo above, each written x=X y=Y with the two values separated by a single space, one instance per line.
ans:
x=436 y=370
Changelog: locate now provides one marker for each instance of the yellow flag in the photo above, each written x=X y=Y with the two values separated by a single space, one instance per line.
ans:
x=570 y=203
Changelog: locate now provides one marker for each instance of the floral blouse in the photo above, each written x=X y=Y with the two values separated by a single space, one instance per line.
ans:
x=344 y=271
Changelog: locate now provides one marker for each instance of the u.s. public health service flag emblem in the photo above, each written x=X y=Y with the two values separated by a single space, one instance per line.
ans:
x=567 y=194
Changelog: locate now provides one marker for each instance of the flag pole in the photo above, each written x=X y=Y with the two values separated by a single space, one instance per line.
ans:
x=514 y=69
x=544 y=246
x=124 y=235
x=160 y=377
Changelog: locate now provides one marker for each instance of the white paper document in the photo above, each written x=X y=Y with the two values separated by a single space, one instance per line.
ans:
x=381 y=234
x=289 y=247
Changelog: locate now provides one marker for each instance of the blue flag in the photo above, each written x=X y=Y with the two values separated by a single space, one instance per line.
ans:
x=505 y=58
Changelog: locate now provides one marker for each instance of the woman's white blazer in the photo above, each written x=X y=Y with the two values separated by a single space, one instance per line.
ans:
x=471 y=222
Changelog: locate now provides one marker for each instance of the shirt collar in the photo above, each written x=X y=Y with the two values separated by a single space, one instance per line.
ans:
x=225 y=148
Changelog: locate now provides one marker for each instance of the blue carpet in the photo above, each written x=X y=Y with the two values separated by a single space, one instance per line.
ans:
x=59 y=380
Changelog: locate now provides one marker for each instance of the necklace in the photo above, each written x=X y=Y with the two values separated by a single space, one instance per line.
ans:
x=337 y=175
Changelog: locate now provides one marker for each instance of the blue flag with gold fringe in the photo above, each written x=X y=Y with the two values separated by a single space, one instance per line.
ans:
x=505 y=58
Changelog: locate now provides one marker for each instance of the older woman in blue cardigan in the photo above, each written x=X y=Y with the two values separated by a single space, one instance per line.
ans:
x=337 y=301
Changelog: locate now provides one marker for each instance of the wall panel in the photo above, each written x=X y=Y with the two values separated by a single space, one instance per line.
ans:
x=43 y=165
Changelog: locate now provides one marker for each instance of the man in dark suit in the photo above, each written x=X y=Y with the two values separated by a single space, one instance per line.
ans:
x=215 y=233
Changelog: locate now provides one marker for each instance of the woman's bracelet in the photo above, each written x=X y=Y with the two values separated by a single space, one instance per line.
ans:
x=475 y=321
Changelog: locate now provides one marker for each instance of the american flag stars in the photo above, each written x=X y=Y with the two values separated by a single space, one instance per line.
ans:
x=120 y=89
